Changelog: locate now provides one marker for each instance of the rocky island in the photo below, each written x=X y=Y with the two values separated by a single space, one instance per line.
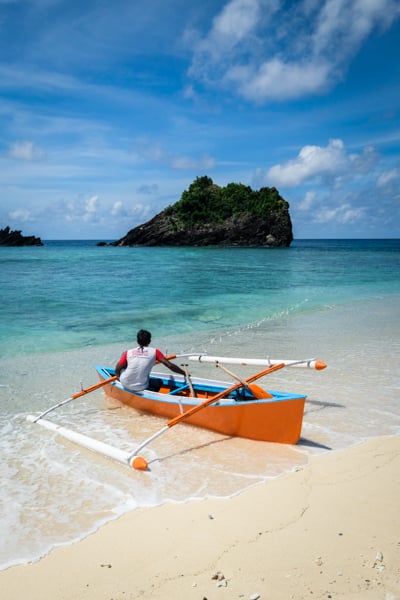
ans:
x=210 y=215
x=15 y=238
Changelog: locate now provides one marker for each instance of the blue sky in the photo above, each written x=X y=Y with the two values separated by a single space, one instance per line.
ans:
x=110 y=109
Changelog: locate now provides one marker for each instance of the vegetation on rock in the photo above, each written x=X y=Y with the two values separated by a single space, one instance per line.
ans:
x=208 y=214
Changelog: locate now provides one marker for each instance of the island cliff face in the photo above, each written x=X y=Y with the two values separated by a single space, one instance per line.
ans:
x=15 y=238
x=207 y=215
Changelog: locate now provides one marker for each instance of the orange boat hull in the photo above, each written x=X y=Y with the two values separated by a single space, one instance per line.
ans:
x=278 y=419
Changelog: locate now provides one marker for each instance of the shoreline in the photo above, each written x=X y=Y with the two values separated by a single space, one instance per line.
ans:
x=329 y=529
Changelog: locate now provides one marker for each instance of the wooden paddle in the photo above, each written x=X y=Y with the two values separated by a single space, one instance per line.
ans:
x=138 y=462
x=77 y=395
x=86 y=391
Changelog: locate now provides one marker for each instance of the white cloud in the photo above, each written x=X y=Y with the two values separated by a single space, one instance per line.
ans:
x=117 y=209
x=86 y=209
x=237 y=19
x=130 y=213
x=21 y=215
x=343 y=25
x=92 y=204
x=230 y=31
x=140 y=210
x=343 y=184
x=388 y=177
x=364 y=162
x=275 y=79
x=312 y=162
x=344 y=214
x=308 y=201
x=269 y=50
x=26 y=150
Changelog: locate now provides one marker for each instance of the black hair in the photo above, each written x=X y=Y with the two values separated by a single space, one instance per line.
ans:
x=143 y=337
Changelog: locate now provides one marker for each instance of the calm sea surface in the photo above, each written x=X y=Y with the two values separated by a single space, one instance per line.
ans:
x=68 y=306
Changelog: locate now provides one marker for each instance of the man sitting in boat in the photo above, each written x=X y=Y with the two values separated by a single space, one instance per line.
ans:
x=134 y=367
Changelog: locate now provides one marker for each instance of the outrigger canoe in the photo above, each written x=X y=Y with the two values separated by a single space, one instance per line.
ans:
x=276 y=417
x=243 y=409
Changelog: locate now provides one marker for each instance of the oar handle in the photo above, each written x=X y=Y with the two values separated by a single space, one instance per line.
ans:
x=94 y=387
x=77 y=395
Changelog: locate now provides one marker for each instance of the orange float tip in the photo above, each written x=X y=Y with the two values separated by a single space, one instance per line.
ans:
x=319 y=365
x=139 y=463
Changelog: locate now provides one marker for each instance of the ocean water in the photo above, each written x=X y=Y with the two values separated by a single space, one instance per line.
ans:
x=68 y=306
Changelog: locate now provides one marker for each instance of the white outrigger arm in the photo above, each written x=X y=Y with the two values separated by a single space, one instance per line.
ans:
x=83 y=440
x=310 y=363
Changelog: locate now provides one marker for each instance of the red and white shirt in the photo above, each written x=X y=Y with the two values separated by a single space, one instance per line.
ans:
x=137 y=364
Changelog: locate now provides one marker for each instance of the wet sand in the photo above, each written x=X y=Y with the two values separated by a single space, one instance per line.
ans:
x=331 y=529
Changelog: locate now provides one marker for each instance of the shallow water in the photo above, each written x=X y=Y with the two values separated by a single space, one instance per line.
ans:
x=338 y=302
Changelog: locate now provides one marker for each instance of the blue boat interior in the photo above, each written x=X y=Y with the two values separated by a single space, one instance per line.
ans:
x=175 y=386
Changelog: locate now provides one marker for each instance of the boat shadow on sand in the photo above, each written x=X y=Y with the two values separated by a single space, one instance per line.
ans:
x=310 y=444
x=191 y=449
x=318 y=405
x=302 y=442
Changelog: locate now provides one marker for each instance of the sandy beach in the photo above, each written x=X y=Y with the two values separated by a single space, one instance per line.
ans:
x=328 y=530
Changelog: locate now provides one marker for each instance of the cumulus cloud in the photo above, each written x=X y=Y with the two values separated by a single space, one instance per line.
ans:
x=312 y=162
x=26 y=150
x=269 y=50
x=277 y=79
x=332 y=186
x=86 y=209
x=131 y=211
x=330 y=164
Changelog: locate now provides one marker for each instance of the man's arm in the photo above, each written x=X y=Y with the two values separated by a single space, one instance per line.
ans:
x=172 y=367
x=121 y=364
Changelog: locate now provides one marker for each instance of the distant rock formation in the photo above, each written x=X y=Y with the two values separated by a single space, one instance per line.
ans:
x=209 y=215
x=15 y=238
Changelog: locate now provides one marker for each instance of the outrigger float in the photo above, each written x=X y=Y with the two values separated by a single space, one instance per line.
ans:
x=243 y=409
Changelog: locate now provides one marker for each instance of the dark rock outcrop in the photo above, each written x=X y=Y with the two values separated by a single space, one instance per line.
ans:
x=208 y=215
x=15 y=238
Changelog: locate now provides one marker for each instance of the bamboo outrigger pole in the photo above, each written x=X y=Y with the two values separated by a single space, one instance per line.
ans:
x=310 y=363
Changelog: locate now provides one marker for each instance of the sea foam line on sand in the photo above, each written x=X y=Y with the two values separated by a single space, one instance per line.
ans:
x=328 y=530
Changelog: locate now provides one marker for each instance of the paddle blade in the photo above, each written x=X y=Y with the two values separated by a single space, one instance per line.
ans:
x=258 y=391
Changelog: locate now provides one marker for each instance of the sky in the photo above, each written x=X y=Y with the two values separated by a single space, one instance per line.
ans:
x=109 y=109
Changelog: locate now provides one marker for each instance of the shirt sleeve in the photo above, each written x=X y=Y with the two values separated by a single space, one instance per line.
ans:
x=159 y=355
x=123 y=361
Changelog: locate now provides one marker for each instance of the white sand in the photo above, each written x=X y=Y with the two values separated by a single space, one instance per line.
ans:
x=329 y=530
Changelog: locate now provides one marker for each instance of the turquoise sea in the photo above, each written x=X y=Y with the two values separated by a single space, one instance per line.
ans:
x=70 y=305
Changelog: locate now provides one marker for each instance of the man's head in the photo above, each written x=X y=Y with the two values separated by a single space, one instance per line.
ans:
x=143 y=337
